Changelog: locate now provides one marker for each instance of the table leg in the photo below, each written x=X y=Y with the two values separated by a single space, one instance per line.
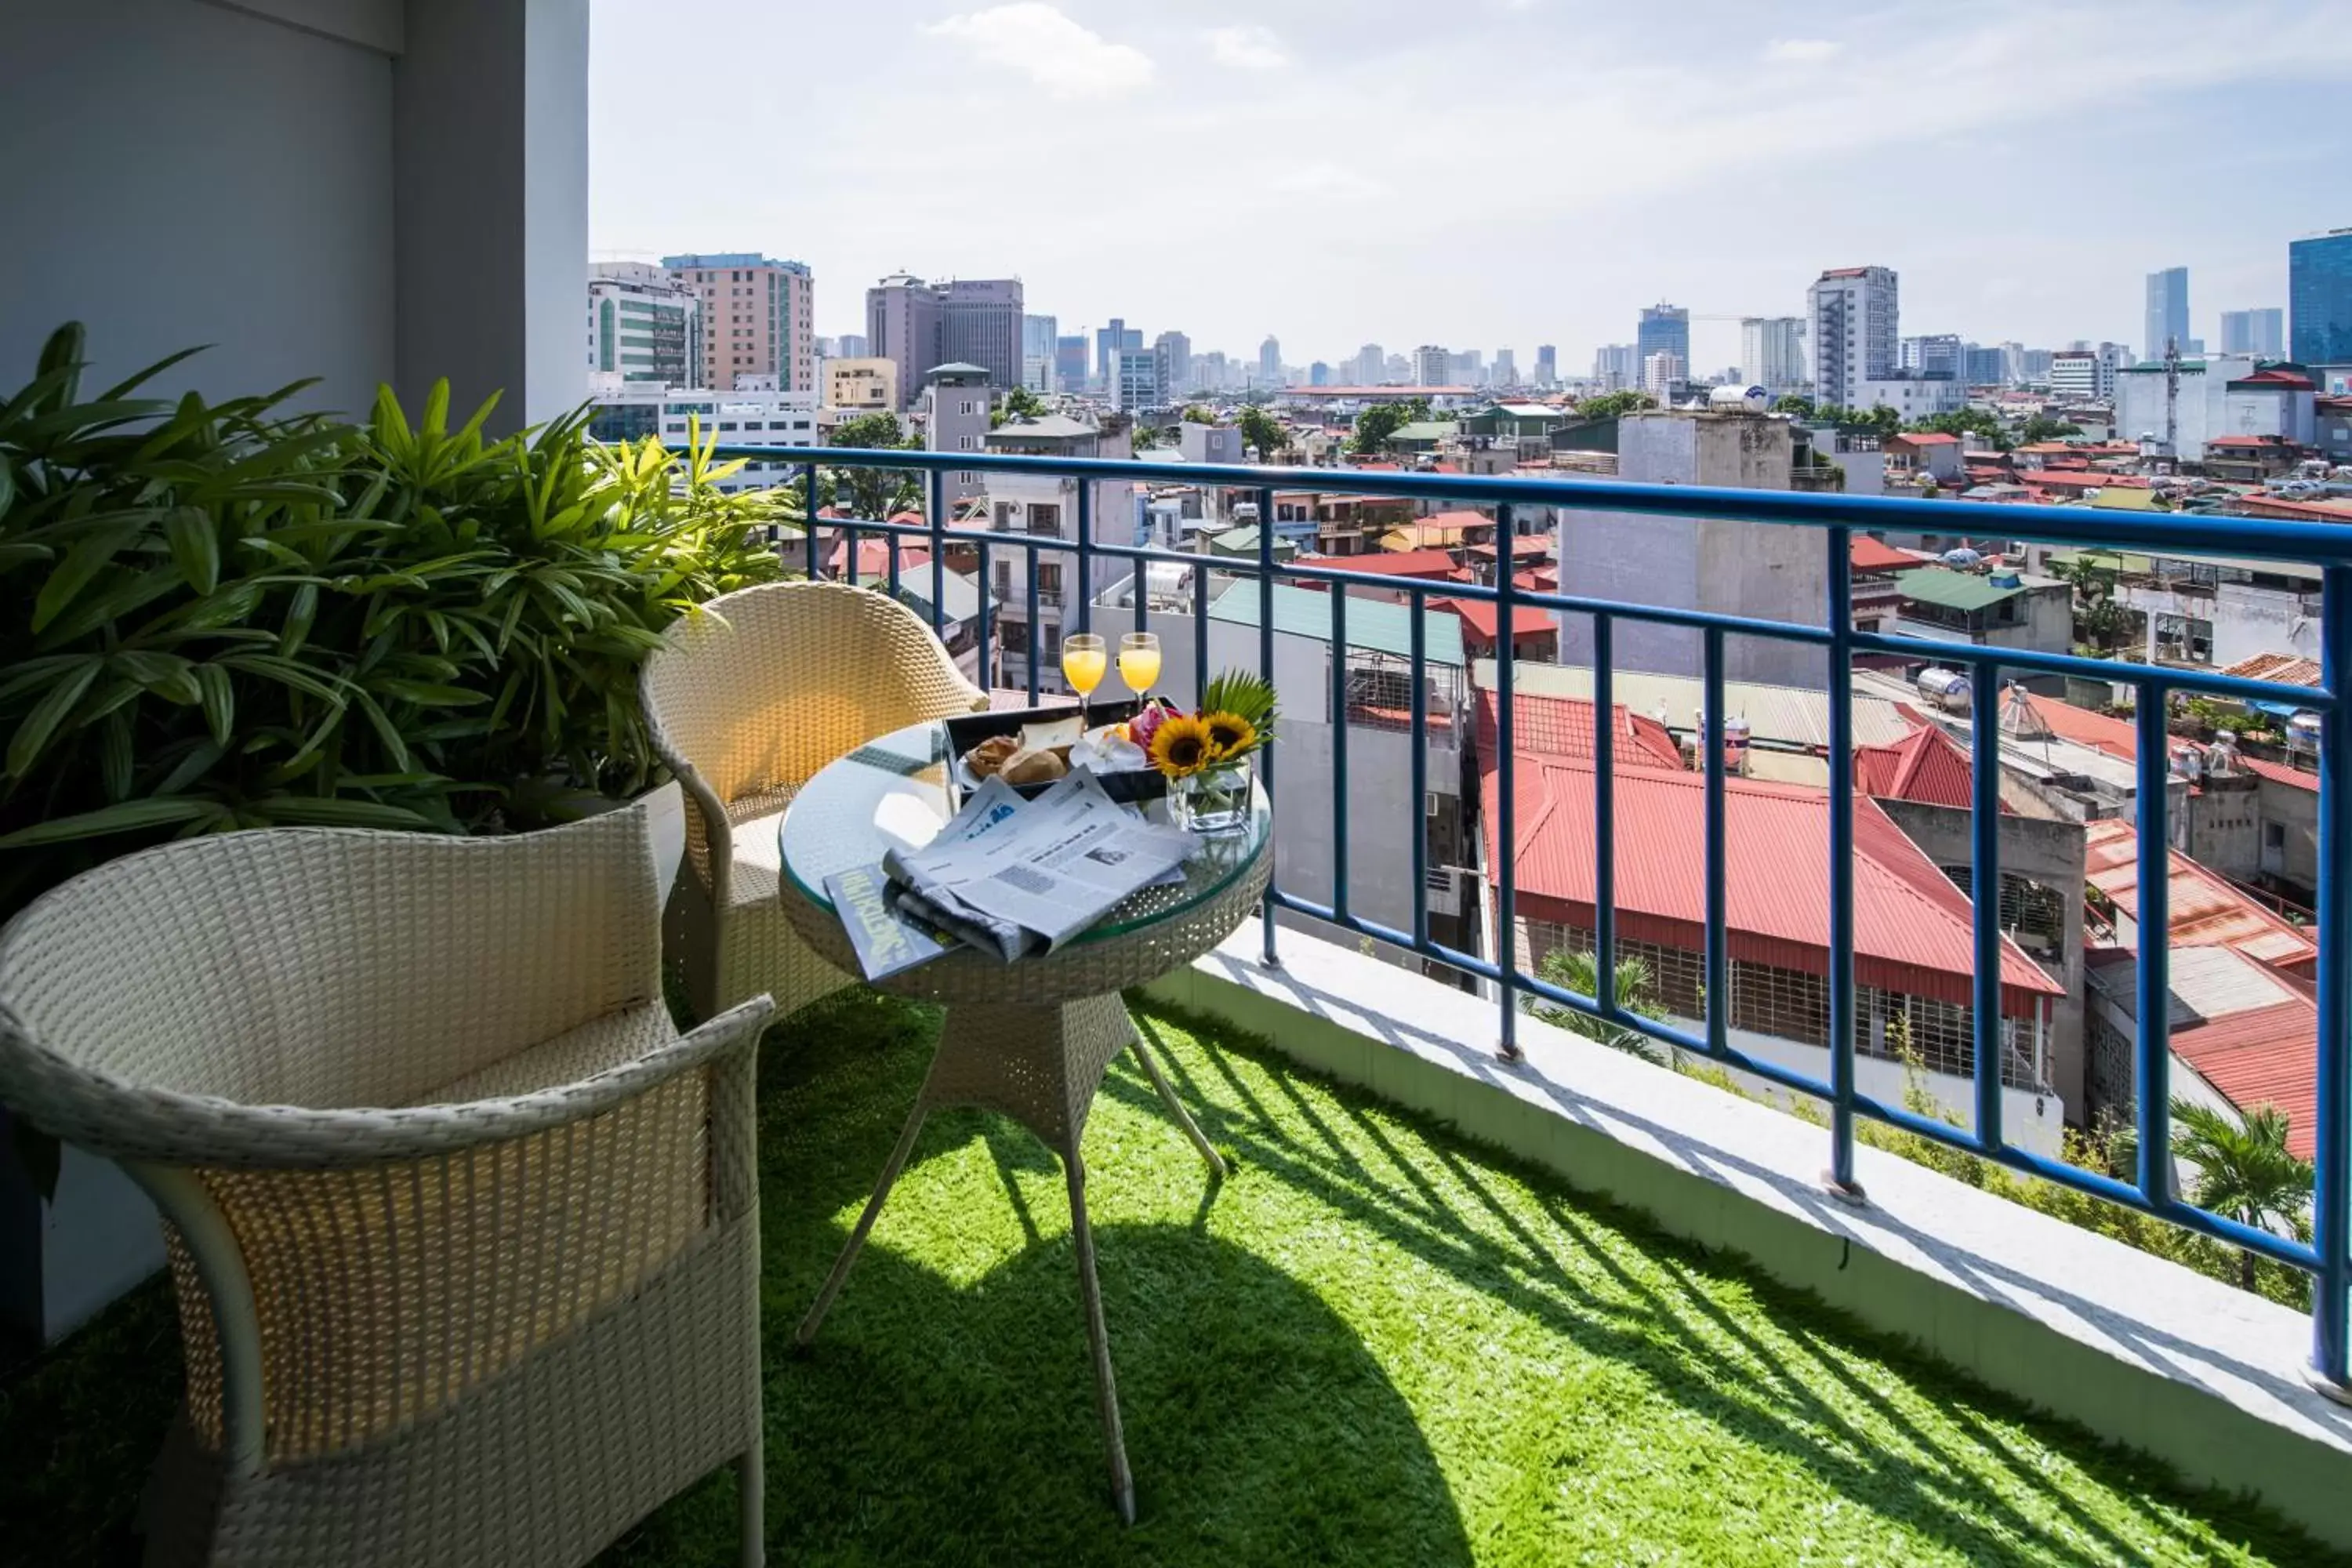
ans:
x=841 y=1266
x=1176 y=1109
x=1122 y=1480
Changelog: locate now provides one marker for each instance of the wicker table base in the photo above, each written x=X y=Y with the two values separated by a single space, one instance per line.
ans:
x=1040 y=1066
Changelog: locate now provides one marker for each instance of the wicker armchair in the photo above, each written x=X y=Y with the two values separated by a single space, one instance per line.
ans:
x=465 y=1234
x=754 y=694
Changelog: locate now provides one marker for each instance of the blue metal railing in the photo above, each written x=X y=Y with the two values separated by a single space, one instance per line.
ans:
x=2327 y=1257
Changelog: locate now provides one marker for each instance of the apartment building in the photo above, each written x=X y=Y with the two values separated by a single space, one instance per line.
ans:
x=642 y=329
x=920 y=326
x=867 y=385
x=758 y=318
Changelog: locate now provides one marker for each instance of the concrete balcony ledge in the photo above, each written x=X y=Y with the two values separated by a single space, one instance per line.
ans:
x=2141 y=1351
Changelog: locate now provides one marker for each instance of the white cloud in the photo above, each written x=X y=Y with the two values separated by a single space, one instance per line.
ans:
x=1247 y=47
x=1801 y=51
x=1066 y=59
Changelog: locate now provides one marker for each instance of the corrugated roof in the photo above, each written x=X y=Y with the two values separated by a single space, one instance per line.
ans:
x=1423 y=430
x=1434 y=564
x=1781 y=715
x=2278 y=772
x=1371 y=623
x=1964 y=590
x=1913 y=926
x=2251 y=1034
x=1562 y=727
x=2285 y=668
x=1483 y=616
x=2101 y=732
x=1928 y=767
x=1870 y=555
x=2204 y=909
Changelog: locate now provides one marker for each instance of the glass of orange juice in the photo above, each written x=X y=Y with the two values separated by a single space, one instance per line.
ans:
x=1139 y=661
x=1084 y=663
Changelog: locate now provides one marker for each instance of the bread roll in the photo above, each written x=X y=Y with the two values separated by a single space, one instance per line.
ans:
x=1033 y=766
x=991 y=754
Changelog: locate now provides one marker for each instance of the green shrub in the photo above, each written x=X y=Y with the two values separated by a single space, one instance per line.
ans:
x=217 y=616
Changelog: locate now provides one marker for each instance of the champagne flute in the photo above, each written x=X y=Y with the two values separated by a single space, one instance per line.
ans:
x=1138 y=662
x=1084 y=663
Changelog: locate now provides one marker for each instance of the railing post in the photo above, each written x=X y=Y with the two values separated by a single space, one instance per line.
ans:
x=808 y=517
x=2331 y=1209
x=1266 y=671
x=1984 y=881
x=935 y=512
x=1417 y=602
x=1718 y=913
x=1604 y=815
x=1840 y=1179
x=1339 y=675
x=2154 y=1000
x=1506 y=852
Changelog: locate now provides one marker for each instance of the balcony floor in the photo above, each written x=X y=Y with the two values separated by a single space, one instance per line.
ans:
x=1375 y=1344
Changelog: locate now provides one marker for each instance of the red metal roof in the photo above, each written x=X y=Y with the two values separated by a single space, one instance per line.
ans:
x=2074 y=479
x=1562 y=727
x=2114 y=736
x=1460 y=517
x=2278 y=772
x=1481 y=616
x=1435 y=564
x=1913 y=926
x=1526 y=546
x=1925 y=439
x=2274 y=377
x=2277 y=441
x=2280 y=505
x=874 y=554
x=1928 y=767
x=2263 y=1055
x=2204 y=909
x=1869 y=555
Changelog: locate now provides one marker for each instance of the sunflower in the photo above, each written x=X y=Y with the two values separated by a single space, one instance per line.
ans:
x=1230 y=734
x=1180 y=747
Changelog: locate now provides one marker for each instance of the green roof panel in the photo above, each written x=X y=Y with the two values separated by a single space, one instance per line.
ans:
x=1371 y=623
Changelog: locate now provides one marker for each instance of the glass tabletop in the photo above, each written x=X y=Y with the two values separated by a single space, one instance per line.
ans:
x=892 y=792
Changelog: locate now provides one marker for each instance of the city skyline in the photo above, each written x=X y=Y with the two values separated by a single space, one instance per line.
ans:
x=1705 y=200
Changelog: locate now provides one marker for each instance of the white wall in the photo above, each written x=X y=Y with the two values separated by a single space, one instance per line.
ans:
x=188 y=173
x=2032 y=1121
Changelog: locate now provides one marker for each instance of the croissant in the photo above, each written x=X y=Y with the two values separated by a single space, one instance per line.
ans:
x=990 y=756
x=1035 y=766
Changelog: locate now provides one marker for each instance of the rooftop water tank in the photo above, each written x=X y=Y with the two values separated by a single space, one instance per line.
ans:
x=2007 y=578
x=1739 y=400
x=2303 y=732
x=1963 y=556
x=1945 y=688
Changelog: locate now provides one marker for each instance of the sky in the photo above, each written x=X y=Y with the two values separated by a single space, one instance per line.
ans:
x=1483 y=174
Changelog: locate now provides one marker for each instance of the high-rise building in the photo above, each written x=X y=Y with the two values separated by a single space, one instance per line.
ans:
x=1935 y=354
x=1506 y=368
x=1215 y=370
x=1037 y=338
x=1269 y=361
x=756 y=318
x=1852 y=314
x=1772 y=352
x=1547 y=364
x=1318 y=374
x=1134 y=380
x=1663 y=375
x=2167 y=310
x=1467 y=368
x=2319 y=298
x=921 y=326
x=1616 y=367
x=1665 y=329
x=1118 y=335
x=2036 y=363
x=642 y=329
x=1400 y=369
x=2262 y=334
x=1430 y=365
x=1370 y=365
x=850 y=345
x=1981 y=366
x=1070 y=362
x=1174 y=351
x=2081 y=374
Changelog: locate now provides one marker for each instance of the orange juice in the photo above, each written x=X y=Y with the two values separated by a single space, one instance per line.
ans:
x=1083 y=667
x=1140 y=667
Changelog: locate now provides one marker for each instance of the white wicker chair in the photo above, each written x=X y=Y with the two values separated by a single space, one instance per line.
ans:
x=755 y=692
x=465 y=1234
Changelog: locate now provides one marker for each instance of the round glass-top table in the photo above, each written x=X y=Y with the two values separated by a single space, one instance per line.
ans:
x=1030 y=1039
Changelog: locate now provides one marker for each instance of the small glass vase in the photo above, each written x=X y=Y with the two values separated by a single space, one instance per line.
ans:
x=1212 y=804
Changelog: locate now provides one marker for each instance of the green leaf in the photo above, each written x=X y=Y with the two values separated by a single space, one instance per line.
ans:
x=329 y=811
x=389 y=733
x=84 y=560
x=219 y=698
x=429 y=694
x=33 y=735
x=299 y=614
x=195 y=548
x=130 y=816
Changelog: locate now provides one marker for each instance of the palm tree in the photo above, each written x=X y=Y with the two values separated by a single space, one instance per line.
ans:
x=2244 y=1173
x=1580 y=970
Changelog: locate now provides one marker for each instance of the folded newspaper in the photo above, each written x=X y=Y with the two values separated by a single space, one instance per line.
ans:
x=1006 y=876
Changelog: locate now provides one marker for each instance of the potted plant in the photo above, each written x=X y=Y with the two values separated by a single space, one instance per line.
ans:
x=1204 y=754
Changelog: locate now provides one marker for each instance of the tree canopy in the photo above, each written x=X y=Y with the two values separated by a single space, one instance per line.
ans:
x=2245 y=1171
x=1263 y=431
x=1197 y=413
x=1794 y=402
x=1019 y=403
x=874 y=492
x=1611 y=404
x=1964 y=422
x=2041 y=427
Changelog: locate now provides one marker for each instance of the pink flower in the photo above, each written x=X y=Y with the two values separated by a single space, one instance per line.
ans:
x=1144 y=725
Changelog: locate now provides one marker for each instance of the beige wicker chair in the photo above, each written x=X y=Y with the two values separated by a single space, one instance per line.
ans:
x=465 y=1234
x=754 y=694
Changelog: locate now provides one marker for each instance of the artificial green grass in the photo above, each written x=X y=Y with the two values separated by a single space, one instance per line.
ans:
x=1376 y=1342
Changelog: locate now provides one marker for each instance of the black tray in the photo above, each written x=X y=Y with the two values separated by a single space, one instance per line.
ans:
x=966 y=730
